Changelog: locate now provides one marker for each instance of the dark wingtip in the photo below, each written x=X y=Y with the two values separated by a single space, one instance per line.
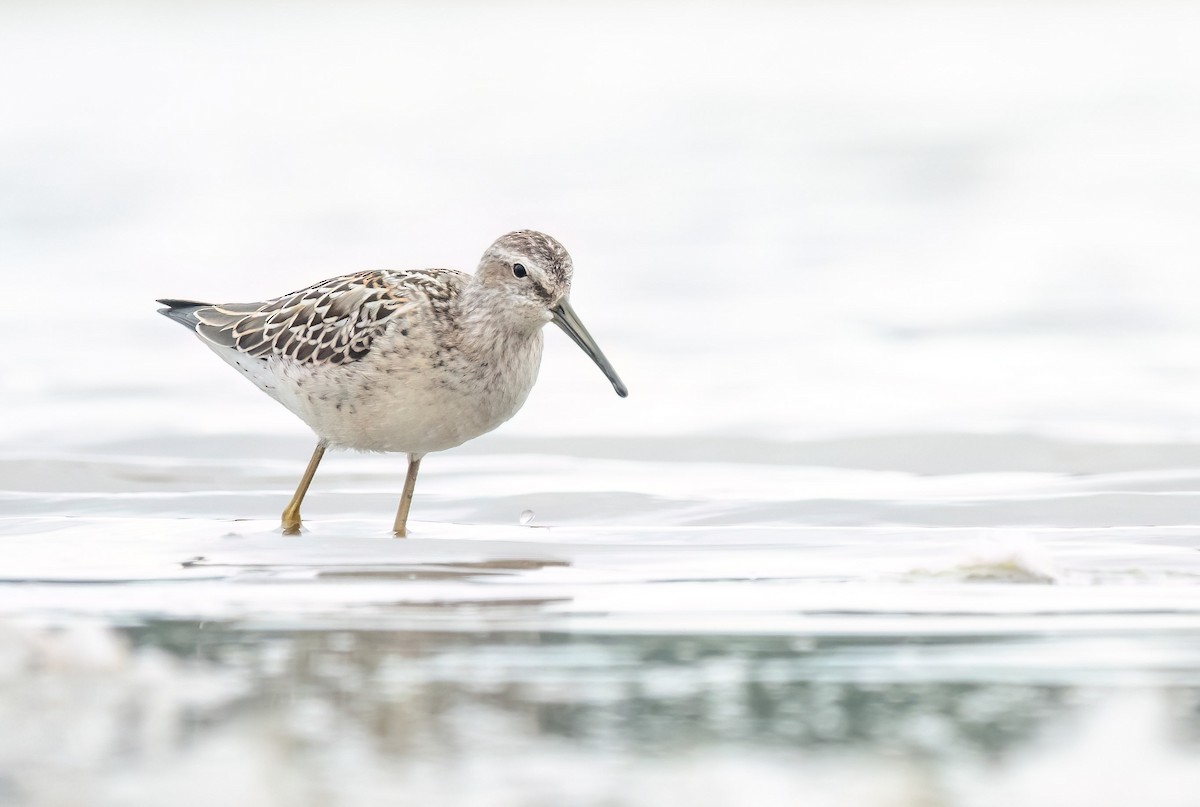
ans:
x=170 y=303
x=181 y=311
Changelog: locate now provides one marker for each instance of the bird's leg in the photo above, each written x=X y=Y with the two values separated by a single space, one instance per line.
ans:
x=291 y=513
x=410 y=482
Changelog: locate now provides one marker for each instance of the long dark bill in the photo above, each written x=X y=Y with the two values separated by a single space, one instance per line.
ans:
x=565 y=318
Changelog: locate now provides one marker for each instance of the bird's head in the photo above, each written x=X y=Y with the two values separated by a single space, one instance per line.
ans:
x=530 y=270
x=530 y=274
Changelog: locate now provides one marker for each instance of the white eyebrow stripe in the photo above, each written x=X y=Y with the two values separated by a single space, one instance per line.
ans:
x=524 y=260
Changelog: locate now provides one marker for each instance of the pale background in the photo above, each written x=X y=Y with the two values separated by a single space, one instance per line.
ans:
x=901 y=510
x=789 y=220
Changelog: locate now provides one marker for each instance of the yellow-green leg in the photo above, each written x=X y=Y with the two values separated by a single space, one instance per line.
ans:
x=291 y=513
x=410 y=484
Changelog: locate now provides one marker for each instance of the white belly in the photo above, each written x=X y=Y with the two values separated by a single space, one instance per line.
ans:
x=403 y=403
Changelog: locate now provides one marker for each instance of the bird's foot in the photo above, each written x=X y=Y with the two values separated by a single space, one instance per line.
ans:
x=290 y=524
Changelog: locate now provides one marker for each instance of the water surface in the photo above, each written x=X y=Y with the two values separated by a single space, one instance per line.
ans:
x=904 y=506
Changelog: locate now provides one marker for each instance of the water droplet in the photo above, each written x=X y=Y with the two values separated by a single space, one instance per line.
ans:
x=526 y=516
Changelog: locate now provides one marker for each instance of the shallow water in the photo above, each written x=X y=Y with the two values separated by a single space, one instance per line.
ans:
x=904 y=507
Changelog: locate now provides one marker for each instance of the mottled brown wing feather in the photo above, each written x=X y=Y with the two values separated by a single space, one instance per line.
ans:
x=332 y=322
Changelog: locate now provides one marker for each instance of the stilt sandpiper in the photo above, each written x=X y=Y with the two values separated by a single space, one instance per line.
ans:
x=411 y=361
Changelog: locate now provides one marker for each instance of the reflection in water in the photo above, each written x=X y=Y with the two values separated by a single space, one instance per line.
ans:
x=437 y=692
x=201 y=714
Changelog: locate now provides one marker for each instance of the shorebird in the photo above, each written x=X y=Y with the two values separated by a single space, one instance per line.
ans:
x=409 y=361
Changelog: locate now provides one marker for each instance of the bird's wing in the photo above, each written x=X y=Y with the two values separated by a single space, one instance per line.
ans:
x=332 y=322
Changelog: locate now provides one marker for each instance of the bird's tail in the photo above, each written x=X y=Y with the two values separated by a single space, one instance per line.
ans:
x=182 y=311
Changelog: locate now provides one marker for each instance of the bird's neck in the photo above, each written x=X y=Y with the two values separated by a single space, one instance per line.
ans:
x=493 y=330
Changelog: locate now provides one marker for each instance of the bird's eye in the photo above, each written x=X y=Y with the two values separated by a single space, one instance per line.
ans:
x=519 y=270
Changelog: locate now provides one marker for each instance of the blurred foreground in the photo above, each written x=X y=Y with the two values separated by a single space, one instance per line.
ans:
x=903 y=508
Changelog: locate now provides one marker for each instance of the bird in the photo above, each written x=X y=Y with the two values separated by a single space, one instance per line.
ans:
x=411 y=361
